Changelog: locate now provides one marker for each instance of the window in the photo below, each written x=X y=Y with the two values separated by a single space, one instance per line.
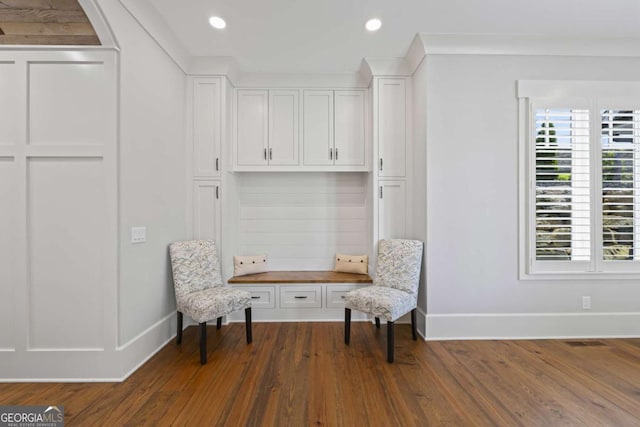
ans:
x=580 y=178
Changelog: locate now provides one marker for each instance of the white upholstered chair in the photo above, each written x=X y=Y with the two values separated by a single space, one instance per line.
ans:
x=394 y=291
x=200 y=293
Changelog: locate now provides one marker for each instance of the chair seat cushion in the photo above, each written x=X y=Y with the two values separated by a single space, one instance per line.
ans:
x=379 y=301
x=212 y=303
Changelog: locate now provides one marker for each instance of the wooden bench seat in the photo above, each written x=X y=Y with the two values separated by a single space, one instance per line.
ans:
x=272 y=277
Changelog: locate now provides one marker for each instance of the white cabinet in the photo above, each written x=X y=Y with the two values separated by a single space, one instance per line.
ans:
x=283 y=127
x=392 y=209
x=302 y=296
x=317 y=136
x=299 y=302
x=349 y=128
x=267 y=127
x=206 y=210
x=206 y=126
x=252 y=127
x=392 y=125
x=334 y=128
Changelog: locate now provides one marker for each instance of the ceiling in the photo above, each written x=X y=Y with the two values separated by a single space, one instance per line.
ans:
x=45 y=22
x=328 y=36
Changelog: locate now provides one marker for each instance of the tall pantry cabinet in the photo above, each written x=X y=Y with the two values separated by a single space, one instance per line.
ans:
x=206 y=131
x=392 y=148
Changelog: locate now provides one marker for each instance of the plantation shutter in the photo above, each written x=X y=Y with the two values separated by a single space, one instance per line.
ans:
x=620 y=151
x=562 y=185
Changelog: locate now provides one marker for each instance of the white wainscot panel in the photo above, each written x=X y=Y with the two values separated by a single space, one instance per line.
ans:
x=66 y=104
x=10 y=224
x=66 y=214
x=9 y=99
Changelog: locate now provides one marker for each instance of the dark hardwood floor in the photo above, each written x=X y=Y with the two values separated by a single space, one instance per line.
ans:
x=302 y=374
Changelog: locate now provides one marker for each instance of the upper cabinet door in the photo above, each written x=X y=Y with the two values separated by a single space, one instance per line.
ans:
x=283 y=127
x=392 y=127
x=252 y=127
x=317 y=112
x=206 y=126
x=349 y=135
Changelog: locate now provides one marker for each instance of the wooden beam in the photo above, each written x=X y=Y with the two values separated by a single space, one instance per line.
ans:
x=47 y=29
x=47 y=15
x=49 y=40
x=41 y=4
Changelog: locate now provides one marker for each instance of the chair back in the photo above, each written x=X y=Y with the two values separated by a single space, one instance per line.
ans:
x=195 y=266
x=399 y=264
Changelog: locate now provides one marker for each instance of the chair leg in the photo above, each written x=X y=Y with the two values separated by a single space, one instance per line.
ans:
x=414 y=332
x=378 y=322
x=347 y=325
x=179 y=328
x=247 y=321
x=390 y=326
x=219 y=323
x=203 y=343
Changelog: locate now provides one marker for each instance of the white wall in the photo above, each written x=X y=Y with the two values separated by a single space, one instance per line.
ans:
x=152 y=168
x=472 y=207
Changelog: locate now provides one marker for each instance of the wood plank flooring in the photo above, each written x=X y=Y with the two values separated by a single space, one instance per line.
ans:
x=302 y=374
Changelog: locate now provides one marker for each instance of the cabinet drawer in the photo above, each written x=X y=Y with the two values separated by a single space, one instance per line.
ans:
x=307 y=296
x=261 y=296
x=336 y=293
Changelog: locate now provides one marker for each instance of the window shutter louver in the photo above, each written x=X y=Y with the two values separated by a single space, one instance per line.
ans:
x=620 y=151
x=562 y=185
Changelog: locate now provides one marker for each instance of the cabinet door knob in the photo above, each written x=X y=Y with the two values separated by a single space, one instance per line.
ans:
x=217 y=191
x=381 y=191
x=300 y=297
x=270 y=153
x=381 y=163
x=255 y=297
x=336 y=154
x=330 y=154
x=217 y=164
x=265 y=154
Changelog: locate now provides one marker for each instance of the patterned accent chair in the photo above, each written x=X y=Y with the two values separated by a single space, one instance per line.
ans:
x=395 y=288
x=200 y=293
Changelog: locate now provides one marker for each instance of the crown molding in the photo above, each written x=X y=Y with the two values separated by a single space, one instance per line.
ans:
x=506 y=44
x=214 y=65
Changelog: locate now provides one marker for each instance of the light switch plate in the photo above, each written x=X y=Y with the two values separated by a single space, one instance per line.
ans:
x=138 y=234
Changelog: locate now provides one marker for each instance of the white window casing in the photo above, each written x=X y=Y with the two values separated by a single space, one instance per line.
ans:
x=579 y=172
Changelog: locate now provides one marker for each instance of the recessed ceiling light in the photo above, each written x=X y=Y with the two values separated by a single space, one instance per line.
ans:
x=217 y=22
x=373 y=24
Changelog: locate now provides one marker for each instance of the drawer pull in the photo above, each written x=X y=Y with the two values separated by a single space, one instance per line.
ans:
x=255 y=297
x=342 y=296
x=300 y=297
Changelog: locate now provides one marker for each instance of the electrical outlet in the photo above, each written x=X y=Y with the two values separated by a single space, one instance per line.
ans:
x=138 y=234
x=586 y=303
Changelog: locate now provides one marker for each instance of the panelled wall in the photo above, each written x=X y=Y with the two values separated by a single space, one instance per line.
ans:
x=300 y=220
x=58 y=221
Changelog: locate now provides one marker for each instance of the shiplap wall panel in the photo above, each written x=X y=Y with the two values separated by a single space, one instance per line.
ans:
x=9 y=235
x=9 y=99
x=64 y=107
x=66 y=213
x=301 y=220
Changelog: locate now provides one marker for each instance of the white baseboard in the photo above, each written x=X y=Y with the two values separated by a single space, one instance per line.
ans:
x=479 y=326
x=145 y=345
x=87 y=365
